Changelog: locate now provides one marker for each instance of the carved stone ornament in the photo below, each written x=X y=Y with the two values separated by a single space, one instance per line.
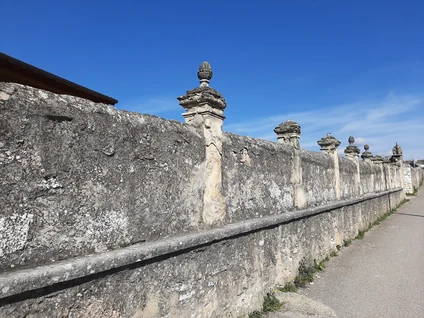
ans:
x=287 y=130
x=204 y=74
x=366 y=154
x=203 y=95
x=397 y=150
x=397 y=153
x=352 y=149
x=328 y=142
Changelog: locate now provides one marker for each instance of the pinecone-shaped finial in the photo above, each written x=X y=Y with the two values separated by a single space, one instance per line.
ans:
x=204 y=74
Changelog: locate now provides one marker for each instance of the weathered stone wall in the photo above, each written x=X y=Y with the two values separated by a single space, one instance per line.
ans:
x=103 y=211
x=417 y=177
x=349 y=182
x=256 y=176
x=318 y=177
x=412 y=178
x=367 y=175
x=223 y=279
x=78 y=177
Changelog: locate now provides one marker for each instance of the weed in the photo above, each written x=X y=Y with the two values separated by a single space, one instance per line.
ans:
x=305 y=275
x=255 y=314
x=339 y=247
x=290 y=287
x=319 y=266
x=402 y=203
x=347 y=242
x=361 y=234
x=414 y=193
x=271 y=303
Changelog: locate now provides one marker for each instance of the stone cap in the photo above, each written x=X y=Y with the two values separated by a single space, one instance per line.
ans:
x=352 y=149
x=288 y=129
x=386 y=160
x=328 y=142
x=377 y=159
x=203 y=95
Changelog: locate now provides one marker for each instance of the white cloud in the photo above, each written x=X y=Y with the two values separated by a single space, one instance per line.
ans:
x=382 y=123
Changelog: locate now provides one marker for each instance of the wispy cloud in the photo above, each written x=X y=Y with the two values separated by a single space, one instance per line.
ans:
x=380 y=123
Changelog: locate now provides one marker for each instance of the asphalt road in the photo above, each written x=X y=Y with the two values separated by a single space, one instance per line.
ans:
x=381 y=275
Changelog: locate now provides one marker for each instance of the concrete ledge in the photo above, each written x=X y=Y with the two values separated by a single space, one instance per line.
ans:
x=17 y=282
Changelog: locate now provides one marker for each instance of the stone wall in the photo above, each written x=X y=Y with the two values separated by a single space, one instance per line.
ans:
x=256 y=177
x=79 y=177
x=108 y=213
x=412 y=178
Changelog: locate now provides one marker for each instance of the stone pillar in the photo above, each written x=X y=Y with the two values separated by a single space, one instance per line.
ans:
x=329 y=145
x=289 y=133
x=378 y=161
x=352 y=153
x=205 y=110
x=367 y=157
x=387 y=173
x=397 y=159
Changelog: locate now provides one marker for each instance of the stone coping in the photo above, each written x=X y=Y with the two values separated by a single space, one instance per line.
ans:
x=24 y=280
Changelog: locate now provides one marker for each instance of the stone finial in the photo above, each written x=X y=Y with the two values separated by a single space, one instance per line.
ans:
x=328 y=143
x=203 y=98
x=397 y=153
x=366 y=155
x=287 y=131
x=352 y=150
x=204 y=74
x=397 y=150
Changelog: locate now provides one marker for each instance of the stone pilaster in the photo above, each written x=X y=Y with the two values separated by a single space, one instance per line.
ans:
x=397 y=159
x=378 y=161
x=367 y=158
x=205 y=110
x=387 y=173
x=329 y=146
x=352 y=153
x=289 y=133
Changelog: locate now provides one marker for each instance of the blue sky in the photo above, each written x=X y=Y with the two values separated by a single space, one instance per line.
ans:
x=345 y=67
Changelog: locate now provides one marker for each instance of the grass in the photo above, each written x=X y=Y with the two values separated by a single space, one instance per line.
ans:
x=413 y=193
x=290 y=287
x=305 y=275
x=271 y=303
x=361 y=235
x=255 y=314
x=347 y=242
x=381 y=218
x=334 y=254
